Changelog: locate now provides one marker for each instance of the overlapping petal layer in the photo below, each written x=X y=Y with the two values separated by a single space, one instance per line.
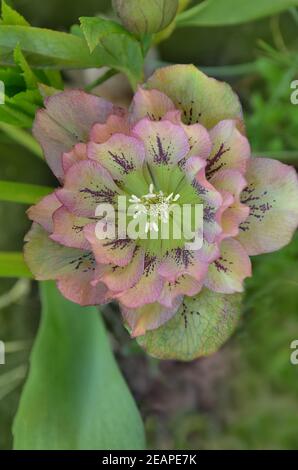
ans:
x=182 y=140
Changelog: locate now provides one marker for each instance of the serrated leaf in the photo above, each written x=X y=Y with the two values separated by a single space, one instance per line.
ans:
x=95 y=28
x=75 y=397
x=11 y=16
x=27 y=73
x=22 y=193
x=231 y=12
x=117 y=47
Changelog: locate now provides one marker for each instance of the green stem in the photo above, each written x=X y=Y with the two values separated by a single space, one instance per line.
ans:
x=102 y=79
x=22 y=137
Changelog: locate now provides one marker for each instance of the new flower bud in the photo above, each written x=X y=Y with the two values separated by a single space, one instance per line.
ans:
x=146 y=16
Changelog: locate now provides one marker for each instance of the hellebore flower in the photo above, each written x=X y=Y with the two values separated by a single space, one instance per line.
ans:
x=182 y=141
x=146 y=17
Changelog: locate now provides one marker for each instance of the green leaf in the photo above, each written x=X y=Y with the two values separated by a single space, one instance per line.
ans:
x=117 y=47
x=75 y=397
x=231 y=12
x=22 y=193
x=27 y=73
x=46 y=48
x=11 y=16
x=95 y=28
x=200 y=327
x=13 y=265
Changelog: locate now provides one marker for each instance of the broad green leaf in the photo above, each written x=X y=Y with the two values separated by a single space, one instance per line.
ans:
x=231 y=12
x=13 y=265
x=22 y=193
x=75 y=397
x=11 y=16
x=201 y=326
x=117 y=47
x=46 y=48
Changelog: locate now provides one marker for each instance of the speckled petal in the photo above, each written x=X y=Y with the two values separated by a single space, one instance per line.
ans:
x=68 y=229
x=150 y=104
x=118 y=278
x=72 y=268
x=230 y=149
x=227 y=273
x=120 y=155
x=147 y=290
x=201 y=99
x=117 y=252
x=87 y=185
x=200 y=327
x=272 y=195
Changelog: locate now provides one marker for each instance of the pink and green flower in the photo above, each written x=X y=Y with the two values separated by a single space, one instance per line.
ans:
x=182 y=139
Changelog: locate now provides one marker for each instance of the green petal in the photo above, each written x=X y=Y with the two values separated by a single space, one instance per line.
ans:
x=200 y=327
x=202 y=99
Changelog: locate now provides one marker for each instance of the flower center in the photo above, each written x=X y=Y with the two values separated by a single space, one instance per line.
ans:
x=155 y=206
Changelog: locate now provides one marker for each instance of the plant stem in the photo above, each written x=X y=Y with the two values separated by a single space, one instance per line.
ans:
x=100 y=80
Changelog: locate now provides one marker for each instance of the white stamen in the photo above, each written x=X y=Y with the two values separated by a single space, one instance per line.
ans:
x=155 y=205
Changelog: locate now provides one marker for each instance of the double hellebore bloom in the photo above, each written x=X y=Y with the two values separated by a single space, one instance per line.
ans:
x=182 y=141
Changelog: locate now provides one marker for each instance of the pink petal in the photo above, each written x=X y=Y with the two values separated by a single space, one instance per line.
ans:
x=184 y=285
x=150 y=104
x=68 y=229
x=212 y=200
x=119 y=279
x=77 y=154
x=78 y=289
x=120 y=155
x=149 y=317
x=66 y=121
x=230 y=149
x=272 y=196
x=115 y=124
x=43 y=211
x=165 y=143
x=232 y=182
x=198 y=137
x=180 y=262
x=227 y=273
x=147 y=290
x=117 y=252
x=86 y=186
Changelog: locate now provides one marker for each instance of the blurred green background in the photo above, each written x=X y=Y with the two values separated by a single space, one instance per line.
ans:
x=245 y=396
